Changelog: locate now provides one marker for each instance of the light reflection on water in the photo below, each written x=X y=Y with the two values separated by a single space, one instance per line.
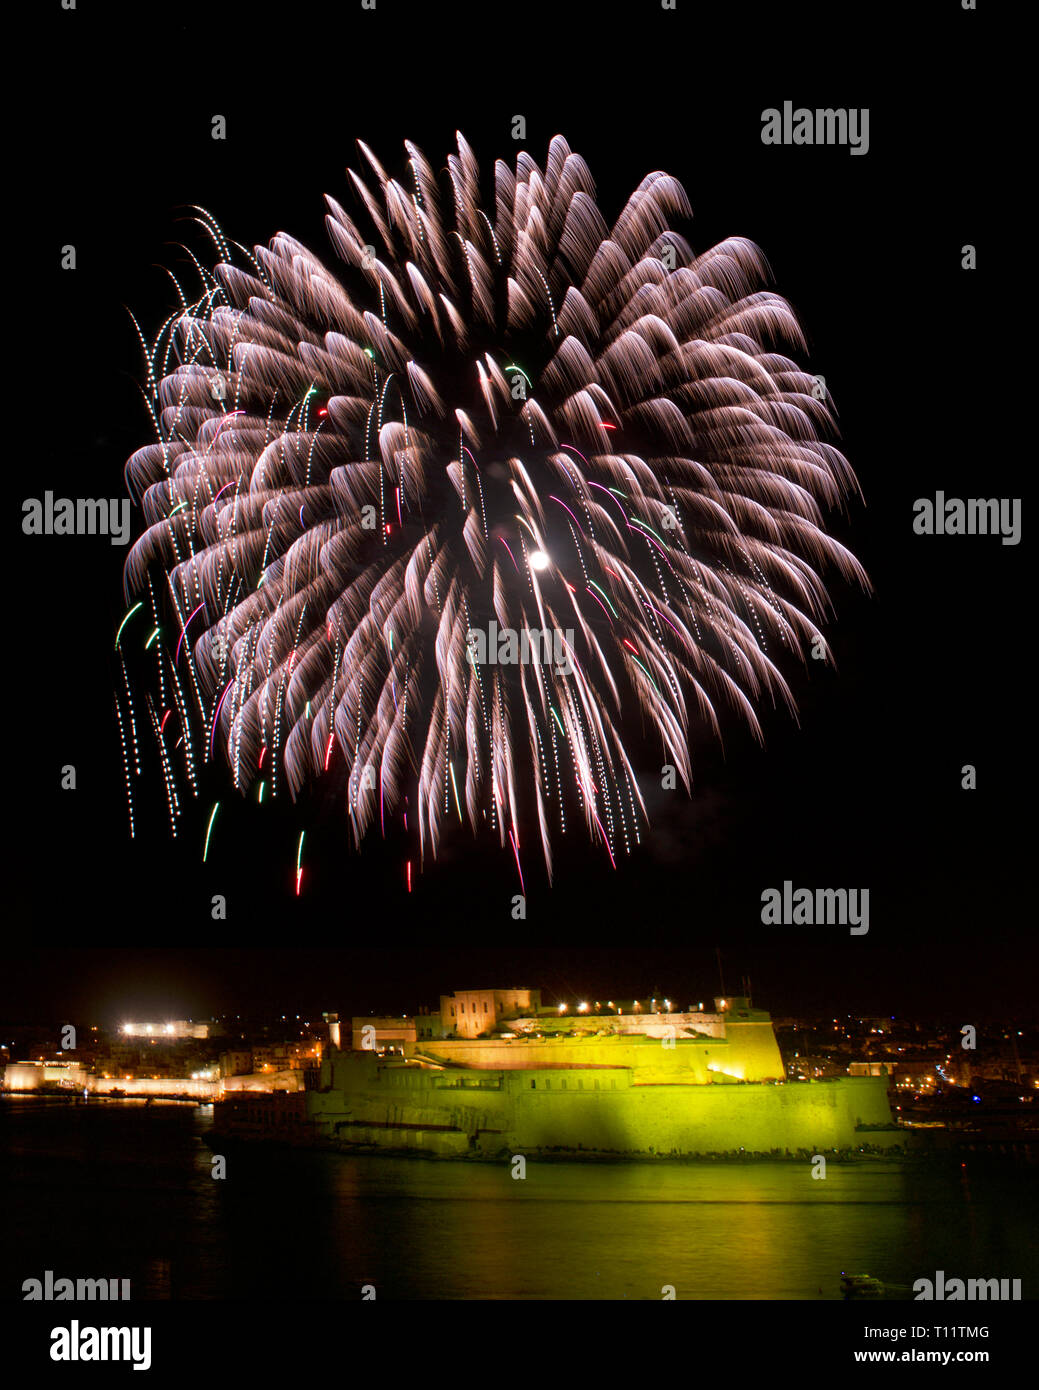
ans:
x=116 y=1190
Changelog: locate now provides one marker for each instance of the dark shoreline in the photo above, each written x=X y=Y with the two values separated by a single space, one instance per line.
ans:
x=844 y=1157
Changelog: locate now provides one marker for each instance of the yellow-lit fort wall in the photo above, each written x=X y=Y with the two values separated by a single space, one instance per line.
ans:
x=365 y=1101
x=748 y=1052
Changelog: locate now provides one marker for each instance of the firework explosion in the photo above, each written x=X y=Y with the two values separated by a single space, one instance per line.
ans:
x=511 y=414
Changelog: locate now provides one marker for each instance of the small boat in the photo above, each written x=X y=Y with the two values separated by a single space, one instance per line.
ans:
x=861 y=1286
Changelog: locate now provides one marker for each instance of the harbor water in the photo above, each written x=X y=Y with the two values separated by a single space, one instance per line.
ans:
x=118 y=1189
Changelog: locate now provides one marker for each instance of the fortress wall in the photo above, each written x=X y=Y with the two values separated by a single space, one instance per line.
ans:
x=148 y=1086
x=754 y=1052
x=711 y=1119
x=689 y=1060
x=653 y=1025
x=436 y=1143
x=265 y=1081
x=661 y=1119
x=411 y=1098
x=748 y=1052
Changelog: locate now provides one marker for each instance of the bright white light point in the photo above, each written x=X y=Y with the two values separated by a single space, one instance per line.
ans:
x=538 y=560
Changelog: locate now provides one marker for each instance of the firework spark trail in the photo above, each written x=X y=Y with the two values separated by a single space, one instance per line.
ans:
x=209 y=830
x=126 y=765
x=337 y=459
x=172 y=800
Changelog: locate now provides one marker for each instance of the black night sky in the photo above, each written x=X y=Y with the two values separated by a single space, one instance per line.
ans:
x=863 y=791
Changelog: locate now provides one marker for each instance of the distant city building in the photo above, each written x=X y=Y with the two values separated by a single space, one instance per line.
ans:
x=236 y=1062
x=28 y=1076
x=174 y=1032
x=285 y=1056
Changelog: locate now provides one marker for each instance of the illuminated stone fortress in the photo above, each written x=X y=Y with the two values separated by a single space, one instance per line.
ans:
x=510 y=1029
x=495 y=1071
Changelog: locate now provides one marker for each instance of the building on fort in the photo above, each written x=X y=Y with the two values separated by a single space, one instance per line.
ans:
x=474 y=1013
